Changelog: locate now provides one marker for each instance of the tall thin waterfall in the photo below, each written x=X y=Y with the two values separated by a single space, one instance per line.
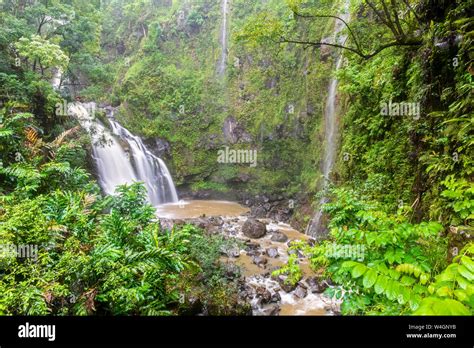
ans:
x=117 y=166
x=223 y=38
x=330 y=129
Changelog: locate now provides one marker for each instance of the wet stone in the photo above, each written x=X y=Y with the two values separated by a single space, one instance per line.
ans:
x=272 y=252
x=300 y=292
x=260 y=261
x=275 y=297
x=279 y=237
x=316 y=285
x=253 y=228
x=272 y=309
x=287 y=287
x=264 y=294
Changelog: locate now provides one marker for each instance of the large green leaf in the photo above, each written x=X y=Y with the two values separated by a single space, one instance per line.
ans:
x=381 y=284
x=358 y=270
x=370 y=278
x=465 y=273
x=468 y=263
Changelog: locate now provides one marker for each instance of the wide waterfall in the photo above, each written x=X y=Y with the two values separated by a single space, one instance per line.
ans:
x=119 y=164
x=330 y=129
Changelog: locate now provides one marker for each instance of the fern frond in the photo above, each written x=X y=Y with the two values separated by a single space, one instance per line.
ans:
x=31 y=135
x=58 y=141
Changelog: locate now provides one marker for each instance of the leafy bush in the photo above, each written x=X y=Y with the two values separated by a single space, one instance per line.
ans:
x=401 y=270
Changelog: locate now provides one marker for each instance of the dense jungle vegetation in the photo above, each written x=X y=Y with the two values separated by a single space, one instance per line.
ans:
x=402 y=187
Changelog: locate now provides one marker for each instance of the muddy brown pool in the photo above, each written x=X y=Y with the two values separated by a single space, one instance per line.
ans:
x=197 y=208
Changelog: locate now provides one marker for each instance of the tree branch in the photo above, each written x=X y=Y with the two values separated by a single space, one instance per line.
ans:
x=406 y=2
x=384 y=20
x=336 y=17
x=397 y=21
x=359 y=53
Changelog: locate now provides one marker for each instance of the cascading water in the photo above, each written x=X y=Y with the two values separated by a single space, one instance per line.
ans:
x=149 y=168
x=56 y=79
x=116 y=166
x=223 y=60
x=330 y=121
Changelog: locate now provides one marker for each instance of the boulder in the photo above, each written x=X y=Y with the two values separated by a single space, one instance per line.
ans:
x=258 y=211
x=253 y=228
x=316 y=285
x=300 y=292
x=278 y=236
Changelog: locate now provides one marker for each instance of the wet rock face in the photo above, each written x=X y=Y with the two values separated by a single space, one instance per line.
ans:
x=159 y=147
x=253 y=228
x=234 y=132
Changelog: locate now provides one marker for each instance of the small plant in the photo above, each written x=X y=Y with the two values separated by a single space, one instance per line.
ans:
x=292 y=270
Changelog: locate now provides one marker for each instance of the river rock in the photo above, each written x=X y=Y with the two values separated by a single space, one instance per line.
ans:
x=253 y=228
x=251 y=246
x=316 y=285
x=244 y=295
x=254 y=253
x=275 y=297
x=278 y=236
x=298 y=253
x=260 y=261
x=300 y=292
x=258 y=212
x=271 y=309
x=284 y=285
x=272 y=252
x=232 y=252
x=264 y=294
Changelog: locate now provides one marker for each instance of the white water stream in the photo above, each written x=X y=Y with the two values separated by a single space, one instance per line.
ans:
x=330 y=130
x=221 y=67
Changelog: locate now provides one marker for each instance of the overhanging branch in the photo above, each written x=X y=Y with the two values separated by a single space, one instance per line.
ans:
x=354 y=50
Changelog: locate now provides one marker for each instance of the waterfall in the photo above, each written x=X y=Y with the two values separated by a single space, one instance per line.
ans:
x=223 y=38
x=116 y=166
x=330 y=128
x=56 y=78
